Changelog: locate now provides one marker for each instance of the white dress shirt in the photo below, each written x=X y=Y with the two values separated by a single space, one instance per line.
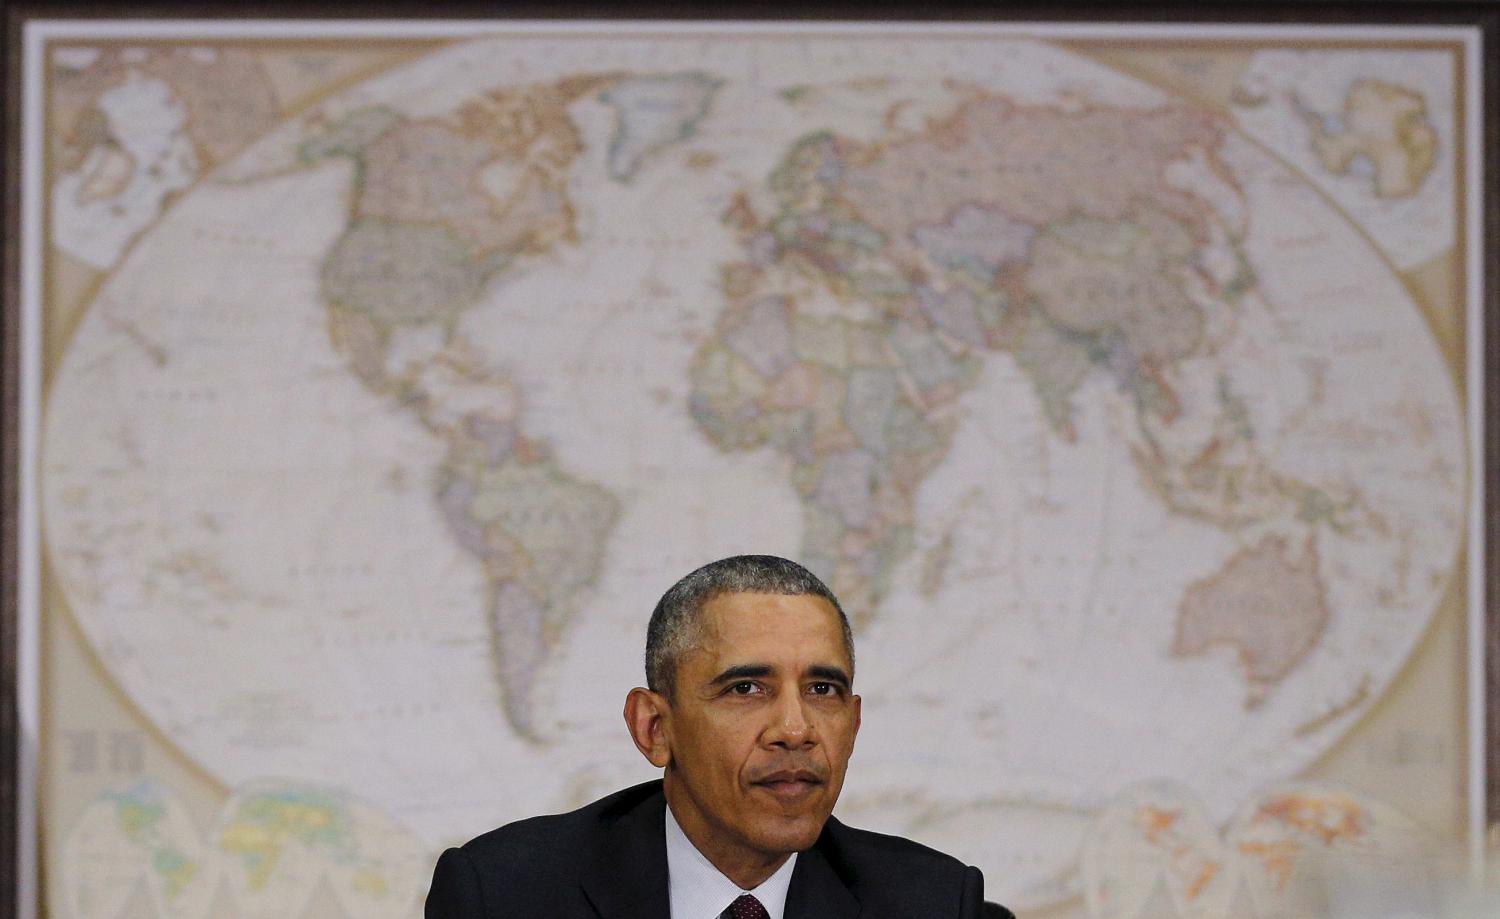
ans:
x=701 y=891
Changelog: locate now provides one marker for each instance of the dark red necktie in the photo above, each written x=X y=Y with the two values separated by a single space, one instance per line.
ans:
x=746 y=907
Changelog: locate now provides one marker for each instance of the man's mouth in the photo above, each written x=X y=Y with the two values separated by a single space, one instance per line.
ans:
x=790 y=784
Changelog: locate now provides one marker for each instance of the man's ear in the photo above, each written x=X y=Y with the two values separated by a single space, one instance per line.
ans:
x=646 y=715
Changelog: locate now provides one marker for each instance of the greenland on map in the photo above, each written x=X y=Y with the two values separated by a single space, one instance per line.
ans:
x=1119 y=391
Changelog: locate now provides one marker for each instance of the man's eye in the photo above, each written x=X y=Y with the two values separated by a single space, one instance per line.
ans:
x=824 y=689
x=743 y=688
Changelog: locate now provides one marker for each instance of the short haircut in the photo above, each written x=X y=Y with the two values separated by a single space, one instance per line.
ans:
x=675 y=627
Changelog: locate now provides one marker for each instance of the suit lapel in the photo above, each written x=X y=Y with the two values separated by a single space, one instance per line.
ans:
x=625 y=877
x=817 y=892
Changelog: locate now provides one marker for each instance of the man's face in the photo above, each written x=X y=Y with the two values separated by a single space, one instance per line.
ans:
x=761 y=726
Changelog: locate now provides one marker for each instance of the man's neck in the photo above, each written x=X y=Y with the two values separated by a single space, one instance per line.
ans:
x=747 y=868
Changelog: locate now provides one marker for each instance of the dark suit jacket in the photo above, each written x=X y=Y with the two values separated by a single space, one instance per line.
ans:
x=609 y=861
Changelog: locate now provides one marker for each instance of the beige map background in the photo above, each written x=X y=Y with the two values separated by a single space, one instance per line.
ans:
x=1398 y=767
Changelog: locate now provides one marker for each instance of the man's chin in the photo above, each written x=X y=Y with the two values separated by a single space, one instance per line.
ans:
x=784 y=835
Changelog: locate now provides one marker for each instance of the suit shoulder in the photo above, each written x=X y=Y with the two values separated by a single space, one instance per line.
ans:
x=546 y=837
x=864 y=846
x=895 y=876
x=534 y=836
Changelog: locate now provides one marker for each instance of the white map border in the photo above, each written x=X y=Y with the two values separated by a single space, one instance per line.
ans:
x=37 y=33
x=1474 y=290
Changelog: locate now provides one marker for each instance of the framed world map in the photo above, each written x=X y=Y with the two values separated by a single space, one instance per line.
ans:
x=1124 y=380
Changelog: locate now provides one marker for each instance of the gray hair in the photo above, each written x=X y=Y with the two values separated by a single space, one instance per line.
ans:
x=675 y=628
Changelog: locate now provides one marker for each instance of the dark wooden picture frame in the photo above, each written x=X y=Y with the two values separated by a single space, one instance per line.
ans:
x=1484 y=16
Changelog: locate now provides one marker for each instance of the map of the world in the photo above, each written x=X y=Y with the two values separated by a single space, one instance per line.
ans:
x=1105 y=412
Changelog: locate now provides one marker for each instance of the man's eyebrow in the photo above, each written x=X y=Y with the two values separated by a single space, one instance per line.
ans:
x=741 y=672
x=830 y=674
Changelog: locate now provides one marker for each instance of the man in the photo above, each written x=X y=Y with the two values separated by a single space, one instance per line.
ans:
x=749 y=712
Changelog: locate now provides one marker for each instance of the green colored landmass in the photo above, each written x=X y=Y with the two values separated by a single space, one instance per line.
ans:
x=139 y=812
x=652 y=113
x=264 y=823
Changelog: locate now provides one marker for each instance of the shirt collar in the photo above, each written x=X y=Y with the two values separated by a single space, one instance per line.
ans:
x=701 y=891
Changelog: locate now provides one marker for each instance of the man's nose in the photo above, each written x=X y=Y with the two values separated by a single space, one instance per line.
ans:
x=791 y=727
